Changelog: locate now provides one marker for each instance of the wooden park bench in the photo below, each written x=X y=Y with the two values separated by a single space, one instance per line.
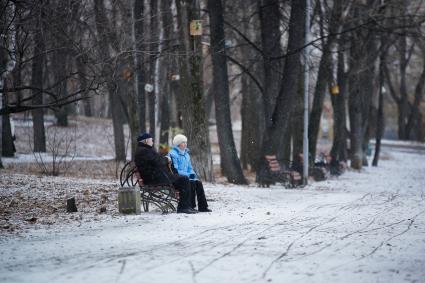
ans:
x=290 y=174
x=281 y=173
x=163 y=196
x=319 y=173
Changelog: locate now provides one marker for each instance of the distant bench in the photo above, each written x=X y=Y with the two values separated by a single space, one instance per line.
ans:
x=290 y=174
x=280 y=173
x=163 y=196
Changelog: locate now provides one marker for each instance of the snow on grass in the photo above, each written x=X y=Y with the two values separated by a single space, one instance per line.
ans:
x=366 y=226
x=46 y=157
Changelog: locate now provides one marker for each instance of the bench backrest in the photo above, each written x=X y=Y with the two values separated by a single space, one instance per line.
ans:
x=273 y=163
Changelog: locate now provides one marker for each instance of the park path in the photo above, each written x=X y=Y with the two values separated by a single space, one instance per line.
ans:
x=364 y=226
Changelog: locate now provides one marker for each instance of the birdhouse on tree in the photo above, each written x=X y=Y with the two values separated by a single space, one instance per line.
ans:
x=196 y=27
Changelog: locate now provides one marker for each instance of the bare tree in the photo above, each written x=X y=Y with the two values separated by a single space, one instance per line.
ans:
x=104 y=45
x=195 y=122
x=279 y=128
x=37 y=81
x=138 y=26
x=270 y=22
x=221 y=93
x=325 y=68
x=252 y=109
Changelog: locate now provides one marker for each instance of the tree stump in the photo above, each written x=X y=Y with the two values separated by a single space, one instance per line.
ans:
x=129 y=200
x=70 y=205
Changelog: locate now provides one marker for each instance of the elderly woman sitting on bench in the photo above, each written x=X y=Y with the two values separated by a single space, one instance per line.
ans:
x=181 y=162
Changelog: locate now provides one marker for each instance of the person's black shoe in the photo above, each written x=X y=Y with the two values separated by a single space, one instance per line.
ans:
x=205 y=210
x=187 y=211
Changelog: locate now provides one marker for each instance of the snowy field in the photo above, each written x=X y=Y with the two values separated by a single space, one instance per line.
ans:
x=364 y=226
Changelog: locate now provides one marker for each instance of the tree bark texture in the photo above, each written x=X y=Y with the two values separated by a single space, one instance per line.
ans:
x=297 y=125
x=380 y=115
x=154 y=25
x=37 y=83
x=195 y=122
x=60 y=58
x=323 y=77
x=5 y=70
x=403 y=104
x=252 y=110
x=408 y=113
x=252 y=124
x=165 y=77
x=414 y=120
x=102 y=25
x=6 y=146
x=128 y=82
x=82 y=73
x=138 y=12
x=221 y=93
x=279 y=128
x=361 y=87
x=339 y=146
x=270 y=21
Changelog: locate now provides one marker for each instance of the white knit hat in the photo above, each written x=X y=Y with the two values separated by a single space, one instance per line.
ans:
x=178 y=139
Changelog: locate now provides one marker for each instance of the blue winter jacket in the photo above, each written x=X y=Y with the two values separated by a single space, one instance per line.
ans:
x=181 y=161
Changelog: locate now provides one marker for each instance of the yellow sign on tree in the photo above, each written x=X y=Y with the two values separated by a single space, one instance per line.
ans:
x=334 y=90
x=196 y=27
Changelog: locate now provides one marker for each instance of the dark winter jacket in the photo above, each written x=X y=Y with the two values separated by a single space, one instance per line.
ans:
x=153 y=167
x=182 y=163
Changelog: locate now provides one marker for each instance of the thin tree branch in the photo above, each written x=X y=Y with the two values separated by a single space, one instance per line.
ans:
x=260 y=87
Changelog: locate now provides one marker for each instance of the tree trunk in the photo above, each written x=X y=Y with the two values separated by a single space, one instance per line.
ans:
x=361 y=92
x=82 y=73
x=297 y=123
x=318 y=98
x=1 y=118
x=369 y=91
x=195 y=122
x=403 y=105
x=221 y=94
x=165 y=75
x=270 y=17
x=7 y=66
x=138 y=12
x=1 y=127
x=339 y=147
x=160 y=69
x=323 y=76
x=165 y=117
x=60 y=58
x=414 y=120
x=117 y=121
x=7 y=146
x=355 y=111
x=37 y=83
x=102 y=25
x=252 y=124
x=154 y=29
x=380 y=115
x=279 y=129
x=252 y=110
x=128 y=81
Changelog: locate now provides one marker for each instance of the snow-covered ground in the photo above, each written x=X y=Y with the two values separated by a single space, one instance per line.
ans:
x=366 y=226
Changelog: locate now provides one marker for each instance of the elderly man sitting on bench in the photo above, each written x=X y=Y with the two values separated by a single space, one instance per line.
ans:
x=154 y=169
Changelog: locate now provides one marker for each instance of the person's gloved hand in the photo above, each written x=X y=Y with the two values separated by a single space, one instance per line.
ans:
x=192 y=176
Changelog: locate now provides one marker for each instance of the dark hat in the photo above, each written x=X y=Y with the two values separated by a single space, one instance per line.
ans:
x=143 y=136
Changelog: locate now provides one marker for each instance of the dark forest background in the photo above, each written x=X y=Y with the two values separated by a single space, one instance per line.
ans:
x=181 y=66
